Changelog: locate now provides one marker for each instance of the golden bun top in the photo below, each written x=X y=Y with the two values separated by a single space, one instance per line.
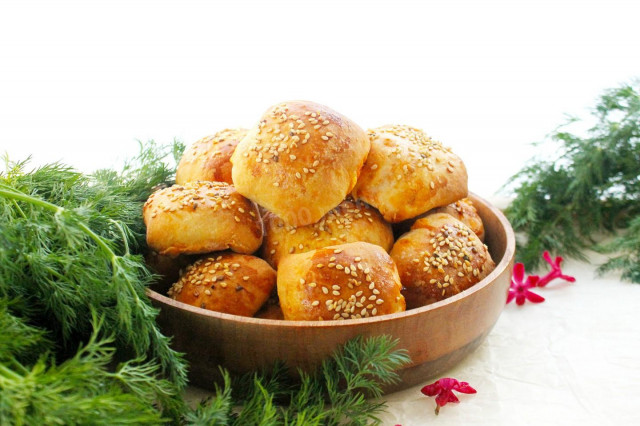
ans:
x=345 y=281
x=208 y=159
x=300 y=160
x=465 y=212
x=408 y=173
x=438 y=258
x=349 y=222
x=232 y=283
x=200 y=217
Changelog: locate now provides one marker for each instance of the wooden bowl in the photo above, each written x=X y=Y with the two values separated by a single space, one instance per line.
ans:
x=437 y=336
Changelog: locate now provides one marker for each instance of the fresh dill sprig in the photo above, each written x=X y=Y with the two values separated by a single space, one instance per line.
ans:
x=339 y=392
x=591 y=187
x=68 y=248
x=81 y=389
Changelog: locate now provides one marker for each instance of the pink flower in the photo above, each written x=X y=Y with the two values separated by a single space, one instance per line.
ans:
x=443 y=391
x=556 y=272
x=519 y=289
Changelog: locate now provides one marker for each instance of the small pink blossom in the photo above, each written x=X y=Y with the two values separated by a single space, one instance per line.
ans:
x=443 y=391
x=555 y=273
x=519 y=289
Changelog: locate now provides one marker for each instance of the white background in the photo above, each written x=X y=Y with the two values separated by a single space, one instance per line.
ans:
x=81 y=81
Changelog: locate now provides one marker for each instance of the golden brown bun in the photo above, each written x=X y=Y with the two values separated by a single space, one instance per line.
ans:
x=438 y=258
x=463 y=210
x=270 y=310
x=201 y=217
x=300 y=161
x=232 y=283
x=407 y=173
x=354 y=280
x=349 y=222
x=208 y=158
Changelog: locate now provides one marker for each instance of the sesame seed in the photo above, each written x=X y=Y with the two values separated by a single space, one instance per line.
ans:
x=335 y=293
x=207 y=292
x=319 y=265
x=337 y=251
x=237 y=219
x=375 y=166
x=315 y=303
x=302 y=281
x=325 y=290
x=276 y=184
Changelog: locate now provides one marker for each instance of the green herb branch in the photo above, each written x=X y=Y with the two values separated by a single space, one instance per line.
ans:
x=589 y=189
x=78 y=338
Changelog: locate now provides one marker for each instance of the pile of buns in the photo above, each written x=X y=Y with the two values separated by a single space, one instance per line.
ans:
x=296 y=219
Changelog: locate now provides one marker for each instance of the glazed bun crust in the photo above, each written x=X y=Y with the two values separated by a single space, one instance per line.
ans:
x=228 y=282
x=300 y=161
x=438 y=258
x=463 y=210
x=347 y=223
x=407 y=173
x=354 y=280
x=201 y=217
x=209 y=158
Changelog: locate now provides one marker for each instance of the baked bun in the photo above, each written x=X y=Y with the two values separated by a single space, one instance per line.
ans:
x=354 y=280
x=438 y=258
x=349 y=222
x=232 y=283
x=407 y=173
x=463 y=210
x=208 y=158
x=300 y=161
x=201 y=217
x=270 y=310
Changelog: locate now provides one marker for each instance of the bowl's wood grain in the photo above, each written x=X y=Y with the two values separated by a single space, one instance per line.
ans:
x=436 y=336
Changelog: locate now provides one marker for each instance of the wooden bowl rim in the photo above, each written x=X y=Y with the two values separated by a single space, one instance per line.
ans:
x=489 y=279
